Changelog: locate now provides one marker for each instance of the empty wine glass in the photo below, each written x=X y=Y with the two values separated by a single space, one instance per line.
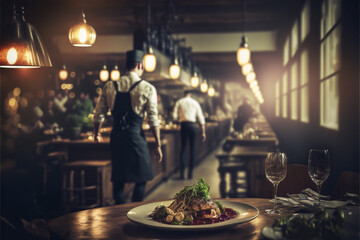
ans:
x=275 y=171
x=319 y=167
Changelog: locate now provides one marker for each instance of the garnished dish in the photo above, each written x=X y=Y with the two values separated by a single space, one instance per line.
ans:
x=193 y=206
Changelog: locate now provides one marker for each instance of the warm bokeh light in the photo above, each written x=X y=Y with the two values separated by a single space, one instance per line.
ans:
x=149 y=62
x=97 y=82
x=246 y=68
x=12 y=56
x=72 y=95
x=63 y=86
x=63 y=73
x=104 y=74
x=115 y=74
x=13 y=103
x=250 y=77
x=16 y=92
x=72 y=74
x=174 y=71
x=204 y=87
x=194 y=81
x=243 y=55
x=253 y=84
x=211 y=91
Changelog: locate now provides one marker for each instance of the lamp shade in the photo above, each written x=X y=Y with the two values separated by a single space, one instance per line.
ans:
x=150 y=61
x=21 y=45
x=63 y=73
x=251 y=76
x=82 y=34
x=243 y=53
x=204 y=86
x=194 y=81
x=104 y=74
x=211 y=91
x=246 y=68
x=115 y=74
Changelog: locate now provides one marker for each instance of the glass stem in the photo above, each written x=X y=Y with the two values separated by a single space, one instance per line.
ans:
x=319 y=191
x=275 y=194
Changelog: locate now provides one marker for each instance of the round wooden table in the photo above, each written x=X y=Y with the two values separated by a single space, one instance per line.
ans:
x=112 y=223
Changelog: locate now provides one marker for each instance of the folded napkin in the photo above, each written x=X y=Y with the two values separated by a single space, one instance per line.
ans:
x=307 y=200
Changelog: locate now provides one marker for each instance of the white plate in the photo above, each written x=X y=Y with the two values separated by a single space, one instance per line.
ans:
x=141 y=213
x=350 y=226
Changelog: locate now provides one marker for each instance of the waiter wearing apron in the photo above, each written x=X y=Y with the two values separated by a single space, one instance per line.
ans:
x=128 y=99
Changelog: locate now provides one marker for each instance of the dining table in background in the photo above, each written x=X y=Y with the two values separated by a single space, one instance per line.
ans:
x=111 y=223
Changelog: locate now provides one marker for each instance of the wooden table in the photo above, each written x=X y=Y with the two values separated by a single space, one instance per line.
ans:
x=112 y=223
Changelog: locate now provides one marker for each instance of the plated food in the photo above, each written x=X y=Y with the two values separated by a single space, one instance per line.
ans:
x=193 y=206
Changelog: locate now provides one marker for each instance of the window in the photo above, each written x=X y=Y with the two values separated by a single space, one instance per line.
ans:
x=305 y=21
x=304 y=86
x=284 y=95
x=330 y=32
x=294 y=91
x=294 y=38
x=277 y=98
x=286 y=52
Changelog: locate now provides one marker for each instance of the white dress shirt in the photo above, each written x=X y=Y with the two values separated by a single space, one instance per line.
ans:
x=188 y=110
x=143 y=98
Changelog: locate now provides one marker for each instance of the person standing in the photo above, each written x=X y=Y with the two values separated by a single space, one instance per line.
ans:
x=244 y=112
x=188 y=111
x=129 y=99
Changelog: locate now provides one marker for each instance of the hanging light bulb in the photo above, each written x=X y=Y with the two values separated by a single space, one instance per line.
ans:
x=82 y=34
x=150 y=60
x=115 y=74
x=204 y=86
x=243 y=53
x=246 y=68
x=211 y=91
x=194 y=80
x=63 y=73
x=104 y=74
x=250 y=77
x=175 y=70
x=21 y=45
x=253 y=84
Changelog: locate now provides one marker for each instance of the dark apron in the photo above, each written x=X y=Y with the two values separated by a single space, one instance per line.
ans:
x=129 y=149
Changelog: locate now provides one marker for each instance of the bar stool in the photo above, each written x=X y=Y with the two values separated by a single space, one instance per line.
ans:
x=86 y=184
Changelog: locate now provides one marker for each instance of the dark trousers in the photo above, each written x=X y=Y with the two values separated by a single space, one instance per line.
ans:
x=188 y=134
x=138 y=194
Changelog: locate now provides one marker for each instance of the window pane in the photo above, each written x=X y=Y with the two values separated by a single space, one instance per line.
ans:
x=294 y=38
x=294 y=105
x=277 y=107
x=277 y=89
x=304 y=65
x=304 y=104
x=284 y=83
x=284 y=106
x=330 y=53
x=305 y=21
x=294 y=74
x=286 y=52
x=329 y=103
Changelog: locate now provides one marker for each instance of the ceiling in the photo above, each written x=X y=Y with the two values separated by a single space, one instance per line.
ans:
x=116 y=17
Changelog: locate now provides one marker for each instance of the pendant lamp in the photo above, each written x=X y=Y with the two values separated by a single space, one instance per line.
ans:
x=175 y=70
x=63 y=73
x=194 y=80
x=150 y=60
x=204 y=86
x=21 y=45
x=247 y=68
x=243 y=53
x=104 y=74
x=115 y=73
x=251 y=76
x=211 y=91
x=82 y=34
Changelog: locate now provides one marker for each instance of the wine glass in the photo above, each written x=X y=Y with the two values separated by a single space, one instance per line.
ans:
x=318 y=167
x=275 y=171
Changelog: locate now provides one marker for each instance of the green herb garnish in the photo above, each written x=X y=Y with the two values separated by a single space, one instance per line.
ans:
x=160 y=213
x=220 y=206
x=199 y=190
x=320 y=225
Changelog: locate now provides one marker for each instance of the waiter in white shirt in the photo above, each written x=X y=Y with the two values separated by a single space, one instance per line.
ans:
x=188 y=111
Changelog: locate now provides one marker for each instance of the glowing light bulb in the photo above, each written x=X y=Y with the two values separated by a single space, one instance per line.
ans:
x=12 y=56
x=246 y=68
x=250 y=77
x=204 y=87
x=174 y=71
x=82 y=35
x=243 y=55
x=149 y=62
x=211 y=91
x=115 y=74
x=194 y=81
x=104 y=74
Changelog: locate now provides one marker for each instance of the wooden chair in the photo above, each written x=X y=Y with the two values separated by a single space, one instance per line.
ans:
x=297 y=179
x=348 y=182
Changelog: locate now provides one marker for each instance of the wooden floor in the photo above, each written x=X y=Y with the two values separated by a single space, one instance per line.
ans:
x=206 y=169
